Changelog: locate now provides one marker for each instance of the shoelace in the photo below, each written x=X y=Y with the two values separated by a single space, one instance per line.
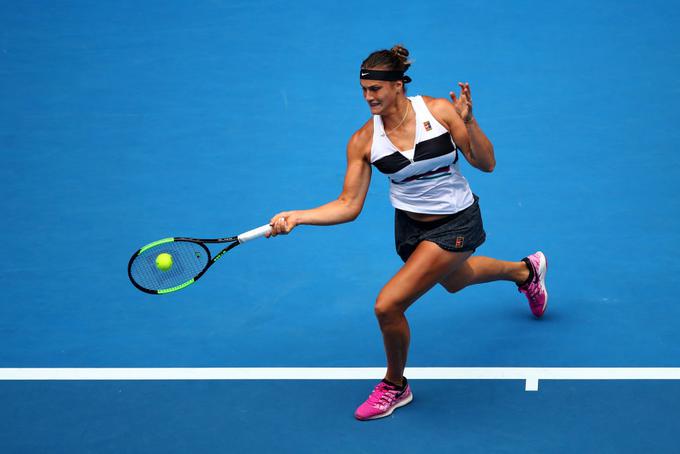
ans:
x=382 y=395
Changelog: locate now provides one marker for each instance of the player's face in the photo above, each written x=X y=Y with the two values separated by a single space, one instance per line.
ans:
x=379 y=94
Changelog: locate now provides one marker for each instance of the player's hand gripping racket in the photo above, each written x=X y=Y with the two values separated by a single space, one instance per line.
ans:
x=172 y=264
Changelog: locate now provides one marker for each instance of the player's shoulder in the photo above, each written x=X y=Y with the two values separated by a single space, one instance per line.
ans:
x=442 y=109
x=440 y=105
x=362 y=139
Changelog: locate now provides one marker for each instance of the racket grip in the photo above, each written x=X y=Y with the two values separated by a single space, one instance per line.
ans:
x=255 y=233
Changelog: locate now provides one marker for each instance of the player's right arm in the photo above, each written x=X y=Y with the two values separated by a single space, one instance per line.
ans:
x=349 y=203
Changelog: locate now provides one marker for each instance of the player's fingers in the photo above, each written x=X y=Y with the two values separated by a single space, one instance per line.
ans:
x=281 y=225
x=273 y=223
x=287 y=226
x=278 y=216
x=463 y=93
x=453 y=96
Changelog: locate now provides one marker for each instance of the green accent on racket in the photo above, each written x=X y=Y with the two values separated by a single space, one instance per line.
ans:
x=174 y=289
x=155 y=243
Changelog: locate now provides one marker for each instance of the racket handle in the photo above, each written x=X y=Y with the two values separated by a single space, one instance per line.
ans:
x=255 y=233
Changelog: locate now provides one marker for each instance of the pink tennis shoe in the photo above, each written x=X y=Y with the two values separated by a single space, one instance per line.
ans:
x=384 y=399
x=534 y=289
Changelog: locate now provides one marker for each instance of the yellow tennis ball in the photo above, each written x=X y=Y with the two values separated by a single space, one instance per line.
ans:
x=164 y=261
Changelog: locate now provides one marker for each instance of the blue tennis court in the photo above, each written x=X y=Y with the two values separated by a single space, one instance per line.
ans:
x=125 y=122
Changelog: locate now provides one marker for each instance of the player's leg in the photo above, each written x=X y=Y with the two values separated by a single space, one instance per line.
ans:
x=529 y=275
x=477 y=270
x=425 y=267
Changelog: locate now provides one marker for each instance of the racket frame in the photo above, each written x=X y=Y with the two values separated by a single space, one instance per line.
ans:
x=233 y=240
x=199 y=241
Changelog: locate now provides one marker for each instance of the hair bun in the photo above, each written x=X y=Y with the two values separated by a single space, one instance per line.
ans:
x=402 y=53
x=400 y=50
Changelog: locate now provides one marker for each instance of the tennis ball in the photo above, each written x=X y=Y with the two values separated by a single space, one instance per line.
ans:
x=164 y=261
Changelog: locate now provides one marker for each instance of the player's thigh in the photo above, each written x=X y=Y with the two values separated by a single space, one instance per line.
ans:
x=427 y=266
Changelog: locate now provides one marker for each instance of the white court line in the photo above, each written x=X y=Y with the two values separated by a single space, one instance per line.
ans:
x=531 y=375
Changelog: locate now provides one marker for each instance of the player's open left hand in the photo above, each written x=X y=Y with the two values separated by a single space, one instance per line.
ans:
x=463 y=103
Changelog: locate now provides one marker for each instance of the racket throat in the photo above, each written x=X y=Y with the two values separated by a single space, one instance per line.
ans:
x=224 y=251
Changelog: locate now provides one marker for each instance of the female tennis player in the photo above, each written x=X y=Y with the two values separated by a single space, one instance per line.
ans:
x=416 y=142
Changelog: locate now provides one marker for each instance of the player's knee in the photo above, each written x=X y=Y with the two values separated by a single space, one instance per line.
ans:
x=387 y=309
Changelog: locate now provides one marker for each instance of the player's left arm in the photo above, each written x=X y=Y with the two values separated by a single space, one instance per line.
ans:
x=464 y=129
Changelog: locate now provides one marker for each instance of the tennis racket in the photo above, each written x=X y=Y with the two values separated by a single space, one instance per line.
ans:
x=172 y=264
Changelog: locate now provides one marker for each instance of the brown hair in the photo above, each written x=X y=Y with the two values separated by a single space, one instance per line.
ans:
x=395 y=59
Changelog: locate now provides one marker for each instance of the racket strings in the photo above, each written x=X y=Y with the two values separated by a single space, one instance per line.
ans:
x=188 y=260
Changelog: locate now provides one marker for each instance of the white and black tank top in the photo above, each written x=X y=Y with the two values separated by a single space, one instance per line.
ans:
x=425 y=179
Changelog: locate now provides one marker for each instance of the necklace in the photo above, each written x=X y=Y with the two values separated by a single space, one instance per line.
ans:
x=408 y=107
